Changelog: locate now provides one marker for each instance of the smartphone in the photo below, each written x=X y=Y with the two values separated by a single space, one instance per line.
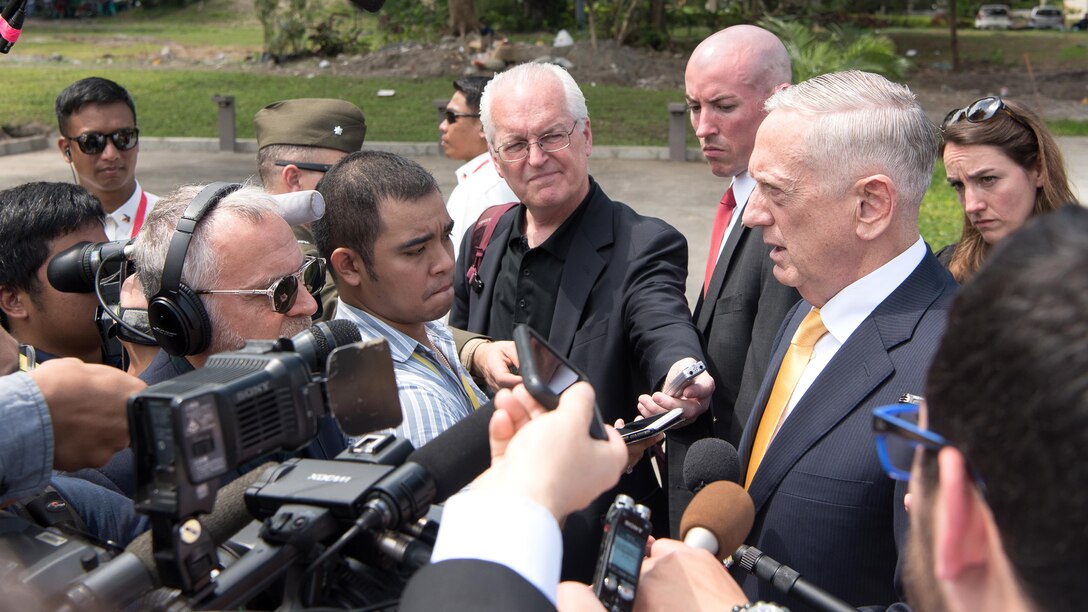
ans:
x=677 y=385
x=651 y=426
x=546 y=374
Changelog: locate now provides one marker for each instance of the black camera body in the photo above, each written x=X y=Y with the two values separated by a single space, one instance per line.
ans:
x=626 y=530
x=195 y=428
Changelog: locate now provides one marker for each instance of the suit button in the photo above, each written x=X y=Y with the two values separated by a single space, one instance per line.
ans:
x=521 y=303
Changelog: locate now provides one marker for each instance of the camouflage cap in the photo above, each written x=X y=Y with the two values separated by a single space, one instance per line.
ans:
x=311 y=122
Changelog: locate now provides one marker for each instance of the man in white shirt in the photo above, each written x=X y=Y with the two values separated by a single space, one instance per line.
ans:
x=100 y=142
x=479 y=186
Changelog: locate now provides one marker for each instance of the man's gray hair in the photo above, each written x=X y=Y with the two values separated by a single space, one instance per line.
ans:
x=526 y=76
x=862 y=123
x=202 y=265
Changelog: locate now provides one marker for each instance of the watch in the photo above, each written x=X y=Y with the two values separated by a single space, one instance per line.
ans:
x=759 y=606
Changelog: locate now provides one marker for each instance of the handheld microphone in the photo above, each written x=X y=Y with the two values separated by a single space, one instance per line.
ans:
x=788 y=580
x=73 y=269
x=710 y=460
x=11 y=23
x=718 y=518
x=300 y=207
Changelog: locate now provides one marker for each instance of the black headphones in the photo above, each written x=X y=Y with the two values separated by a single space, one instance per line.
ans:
x=177 y=316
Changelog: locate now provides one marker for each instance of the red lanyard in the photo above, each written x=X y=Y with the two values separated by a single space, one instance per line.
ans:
x=141 y=210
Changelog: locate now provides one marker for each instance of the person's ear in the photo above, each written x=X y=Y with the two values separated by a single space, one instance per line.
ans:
x=347 y=267
x=875 y=196
x=12 y=302
x=960 y=516
x=65 y=148
x=292 y=177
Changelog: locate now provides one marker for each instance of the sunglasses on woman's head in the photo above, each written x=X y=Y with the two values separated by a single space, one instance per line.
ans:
x=979 y=111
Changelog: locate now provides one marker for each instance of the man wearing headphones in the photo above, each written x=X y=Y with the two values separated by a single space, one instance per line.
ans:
x=219 y=266
x=238 y=274
x=100 y=142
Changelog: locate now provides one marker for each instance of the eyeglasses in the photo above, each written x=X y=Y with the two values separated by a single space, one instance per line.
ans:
x=451 y=117
x=283 y=291
x=980 y=110
x=549 y=143
x=898 y=435
x=93 y=143
x=306 y=165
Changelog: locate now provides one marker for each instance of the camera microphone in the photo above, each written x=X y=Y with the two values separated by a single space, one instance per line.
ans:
x=315 y=344
x=788 y=580
x=73 y=269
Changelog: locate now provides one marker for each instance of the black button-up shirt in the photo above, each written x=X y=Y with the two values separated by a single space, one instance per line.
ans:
x=527 y=285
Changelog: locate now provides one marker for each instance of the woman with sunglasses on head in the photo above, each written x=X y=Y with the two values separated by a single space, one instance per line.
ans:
x=1006 y=167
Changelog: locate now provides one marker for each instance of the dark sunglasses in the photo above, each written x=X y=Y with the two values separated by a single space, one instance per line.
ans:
x=980 y=110
x=451 y=117
x=306 y=165
x=283 y=291
x=93 y=143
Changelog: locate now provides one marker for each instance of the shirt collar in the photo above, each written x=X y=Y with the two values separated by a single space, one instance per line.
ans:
x=743 y=185
x=559 y=242
x=843 y=313
x=401 y=345
x=472 y=166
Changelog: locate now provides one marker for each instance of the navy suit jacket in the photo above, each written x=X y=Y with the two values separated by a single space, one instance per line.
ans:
x=824 y=506
x=620 y=316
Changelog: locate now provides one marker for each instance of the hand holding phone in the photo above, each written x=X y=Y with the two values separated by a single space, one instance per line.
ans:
x=676 y=386
x=651 y=426
x=546 y=374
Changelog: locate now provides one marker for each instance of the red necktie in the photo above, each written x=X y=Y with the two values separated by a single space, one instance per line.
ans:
x=721 y=221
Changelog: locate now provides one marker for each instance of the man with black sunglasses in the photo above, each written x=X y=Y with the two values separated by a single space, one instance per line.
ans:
x=298 y=141
x=100 y=142
x=479 y=186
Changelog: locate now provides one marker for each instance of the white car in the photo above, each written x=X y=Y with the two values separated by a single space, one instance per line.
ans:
x=1047 y=17
x=993 y=17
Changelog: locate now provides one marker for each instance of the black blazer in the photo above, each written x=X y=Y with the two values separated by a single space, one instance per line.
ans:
x=620 y=316
x=470 y=584
x=824 y=506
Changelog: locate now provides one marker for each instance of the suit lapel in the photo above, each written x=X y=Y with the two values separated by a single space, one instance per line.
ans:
x=584 y=264
x=717 y=280
x=860 y=366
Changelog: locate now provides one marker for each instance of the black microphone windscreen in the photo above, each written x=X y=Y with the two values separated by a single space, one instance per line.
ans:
x=710 y=460
x=318 y=342
x=458 y=455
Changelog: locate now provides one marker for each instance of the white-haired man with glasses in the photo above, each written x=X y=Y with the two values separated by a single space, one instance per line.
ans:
x=602 y=283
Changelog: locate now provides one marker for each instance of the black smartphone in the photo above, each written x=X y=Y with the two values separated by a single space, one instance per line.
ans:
x=547 y=374
x=651 y=426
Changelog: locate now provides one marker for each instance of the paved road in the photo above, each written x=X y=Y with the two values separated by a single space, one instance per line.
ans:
x=681 y=193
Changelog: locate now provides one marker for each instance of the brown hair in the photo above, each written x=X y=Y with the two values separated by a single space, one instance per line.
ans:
x=1024 y=139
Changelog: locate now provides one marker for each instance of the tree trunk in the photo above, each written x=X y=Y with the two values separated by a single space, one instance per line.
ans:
x=463 y=17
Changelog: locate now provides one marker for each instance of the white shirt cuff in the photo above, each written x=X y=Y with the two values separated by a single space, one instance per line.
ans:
x=510 y=530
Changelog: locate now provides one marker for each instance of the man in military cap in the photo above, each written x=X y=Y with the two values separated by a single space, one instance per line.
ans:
x=298 y=141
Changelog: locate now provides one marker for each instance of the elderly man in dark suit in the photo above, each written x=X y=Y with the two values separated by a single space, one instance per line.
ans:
x=841 y=164
x=604 y=284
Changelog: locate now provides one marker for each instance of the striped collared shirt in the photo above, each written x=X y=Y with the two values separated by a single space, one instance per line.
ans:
x=432 y=397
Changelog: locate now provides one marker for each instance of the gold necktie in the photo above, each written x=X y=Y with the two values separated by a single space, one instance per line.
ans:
x=793 y=364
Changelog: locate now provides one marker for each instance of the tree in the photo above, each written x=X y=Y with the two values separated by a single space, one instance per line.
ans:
x=463 y=17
